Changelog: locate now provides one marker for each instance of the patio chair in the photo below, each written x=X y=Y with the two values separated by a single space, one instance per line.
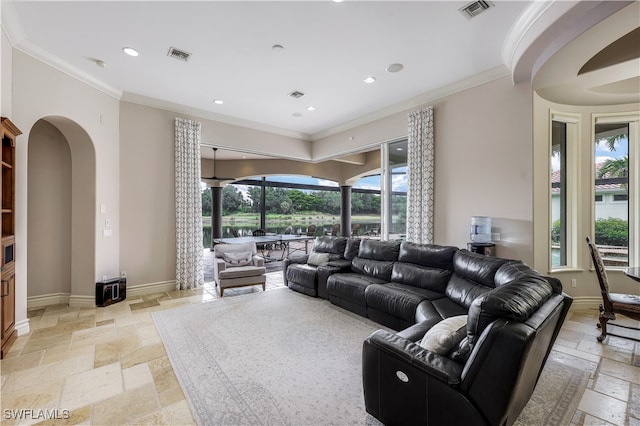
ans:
x=261 y=246
x=311 y=230
x=334 y=230
x=627 y=305
x=355 y=230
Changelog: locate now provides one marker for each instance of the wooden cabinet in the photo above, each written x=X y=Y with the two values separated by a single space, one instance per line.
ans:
x=8 y=225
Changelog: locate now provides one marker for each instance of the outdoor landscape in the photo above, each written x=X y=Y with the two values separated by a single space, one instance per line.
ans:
x=296 y=208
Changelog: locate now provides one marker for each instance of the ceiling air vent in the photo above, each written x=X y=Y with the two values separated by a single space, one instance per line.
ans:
x=178 y=54
x=475 y=8
x=296 y=94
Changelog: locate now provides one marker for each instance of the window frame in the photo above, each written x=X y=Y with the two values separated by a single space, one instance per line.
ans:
x=633 y=120
x=573 y=187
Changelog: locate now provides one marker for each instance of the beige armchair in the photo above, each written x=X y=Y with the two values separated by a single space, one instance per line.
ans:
x=238 y=265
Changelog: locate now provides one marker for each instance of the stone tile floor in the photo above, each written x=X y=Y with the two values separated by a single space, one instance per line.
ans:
x=109 y=366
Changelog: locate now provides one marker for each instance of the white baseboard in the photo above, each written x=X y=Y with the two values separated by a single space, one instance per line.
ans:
x=75 y=301
x=48 y=299
x=586 y=302
x=141 y=289
x=23 y=327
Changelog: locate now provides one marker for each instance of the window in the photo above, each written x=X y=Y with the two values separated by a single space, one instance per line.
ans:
x=394 y=203
x=563 y=166
x=615 y=168
x=598 y=199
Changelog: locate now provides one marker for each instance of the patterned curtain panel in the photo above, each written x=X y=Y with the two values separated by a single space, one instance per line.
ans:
x=420 y=168
x=189 y=256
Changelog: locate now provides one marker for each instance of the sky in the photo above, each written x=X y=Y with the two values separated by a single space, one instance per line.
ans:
x=602 y=153
x=399 y=181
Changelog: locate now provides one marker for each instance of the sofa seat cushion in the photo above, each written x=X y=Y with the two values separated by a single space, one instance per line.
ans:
x=350 y=286
x=398 y=300
x=303 y=274
x=241 y=271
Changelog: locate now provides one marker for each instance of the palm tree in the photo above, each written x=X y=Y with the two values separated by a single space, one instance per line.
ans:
x=618 y=167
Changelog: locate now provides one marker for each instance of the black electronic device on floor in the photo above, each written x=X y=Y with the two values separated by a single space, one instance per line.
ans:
x=111 y=291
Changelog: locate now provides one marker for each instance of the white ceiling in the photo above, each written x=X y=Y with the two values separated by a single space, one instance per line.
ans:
x=329 y=48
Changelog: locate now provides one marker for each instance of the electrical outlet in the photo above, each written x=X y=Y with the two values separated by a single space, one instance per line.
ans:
x=573 y=282
x=104 y=278
x=123 y=274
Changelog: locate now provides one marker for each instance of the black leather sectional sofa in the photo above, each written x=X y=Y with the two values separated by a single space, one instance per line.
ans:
x=513 y=315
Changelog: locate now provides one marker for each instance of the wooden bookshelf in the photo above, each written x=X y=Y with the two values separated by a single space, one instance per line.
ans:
x=7 y=238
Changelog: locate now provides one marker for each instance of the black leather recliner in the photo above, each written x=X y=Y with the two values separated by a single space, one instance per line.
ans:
x=489 y=378
x=311 y=279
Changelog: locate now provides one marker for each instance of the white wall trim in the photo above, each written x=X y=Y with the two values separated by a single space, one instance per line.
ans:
x=23 y=327
x=76 y=301
x=586 y=302
x=48 y=299
x=141 y=289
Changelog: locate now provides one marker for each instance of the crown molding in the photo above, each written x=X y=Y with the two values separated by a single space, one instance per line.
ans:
x=513 y=42
x=422 y=99
x=208 y=115
x=16 y=35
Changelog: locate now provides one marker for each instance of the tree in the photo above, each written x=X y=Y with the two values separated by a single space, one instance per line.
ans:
x=616 y=168
x=206 y=202
x=232 y=199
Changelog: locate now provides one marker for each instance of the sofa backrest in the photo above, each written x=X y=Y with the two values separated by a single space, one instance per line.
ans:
x=329 y=244
x=218 y=249
x=425 y=266
x=375 y=258
x=473 y=275
x=352 y=247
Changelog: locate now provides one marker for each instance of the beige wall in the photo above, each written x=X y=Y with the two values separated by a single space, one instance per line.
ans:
x=586 y=279
x=476 y=130
x=49 y=216
x=88 y=119
x=5 y=75
x=483 y=162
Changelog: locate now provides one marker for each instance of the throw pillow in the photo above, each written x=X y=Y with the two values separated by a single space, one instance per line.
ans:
x=318 y=259
x=237 y=259
x=445 y=335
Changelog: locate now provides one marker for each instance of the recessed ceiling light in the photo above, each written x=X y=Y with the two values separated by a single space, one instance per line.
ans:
x=101 y=64
x=130 y=51
x=395 y=68
x=370 y=79
x=337 y=1
x=277 y=48
x=218 y=101
x=311 y=108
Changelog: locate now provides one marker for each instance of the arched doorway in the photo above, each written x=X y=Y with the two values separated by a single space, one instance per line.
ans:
x=61 y=206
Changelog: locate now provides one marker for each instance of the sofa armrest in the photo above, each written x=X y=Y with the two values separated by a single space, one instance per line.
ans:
x=405 y=350
x=257 y=260
x=341 y=265
x=302 y=258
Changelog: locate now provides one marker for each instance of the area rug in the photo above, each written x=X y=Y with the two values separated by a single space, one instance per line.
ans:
x=274 y=357
x=280 y=357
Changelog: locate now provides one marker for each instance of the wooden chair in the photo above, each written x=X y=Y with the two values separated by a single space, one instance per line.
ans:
x=334 y=230
x=627 y=305
x=311 y=230
x=355 y=230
